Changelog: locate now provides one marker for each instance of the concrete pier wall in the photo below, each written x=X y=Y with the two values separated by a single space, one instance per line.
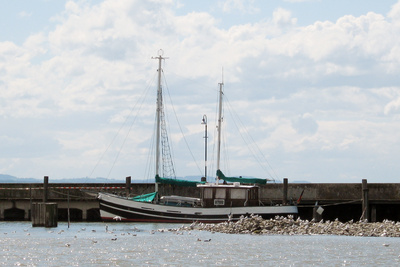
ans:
x=342 y=201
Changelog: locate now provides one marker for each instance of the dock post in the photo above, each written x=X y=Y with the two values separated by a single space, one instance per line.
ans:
x=373 y=213
x=365 y=202
x=128 y=186
x=30 y=202
x=45 y=188
x=44 y=214
x=26 y=213
x=285 y=191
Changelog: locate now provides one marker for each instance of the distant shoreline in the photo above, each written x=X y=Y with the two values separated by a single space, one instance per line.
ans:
x=5 y=178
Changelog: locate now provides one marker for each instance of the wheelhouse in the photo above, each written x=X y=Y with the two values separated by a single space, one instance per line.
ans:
x=235 y=195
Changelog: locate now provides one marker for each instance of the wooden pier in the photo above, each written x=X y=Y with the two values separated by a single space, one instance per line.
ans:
x=351 y=201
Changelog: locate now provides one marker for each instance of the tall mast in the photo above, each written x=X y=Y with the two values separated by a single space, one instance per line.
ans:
x=159 y=110
x=219 y=125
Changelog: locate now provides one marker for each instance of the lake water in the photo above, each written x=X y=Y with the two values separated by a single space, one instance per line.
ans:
x=140 y=244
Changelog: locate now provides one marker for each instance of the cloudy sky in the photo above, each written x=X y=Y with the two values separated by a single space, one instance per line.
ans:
x=315 y=84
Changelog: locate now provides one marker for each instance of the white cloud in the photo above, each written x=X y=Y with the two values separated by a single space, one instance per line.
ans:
x=305 y=124
x=283 y=18
x=394 y=13
x=393 y=106
x=323 y=91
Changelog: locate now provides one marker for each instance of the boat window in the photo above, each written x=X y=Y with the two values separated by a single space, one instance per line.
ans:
x=220 y=193
x=238 y=194
x=208 y=193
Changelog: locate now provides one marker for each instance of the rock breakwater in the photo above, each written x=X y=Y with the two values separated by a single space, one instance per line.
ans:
x=290 y=226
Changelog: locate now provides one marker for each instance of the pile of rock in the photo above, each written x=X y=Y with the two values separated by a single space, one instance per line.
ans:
x=289 y=226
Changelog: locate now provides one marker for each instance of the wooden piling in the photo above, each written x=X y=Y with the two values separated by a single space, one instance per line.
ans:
x=30 y=202
x=373 y=213
x=128 y=186
x=365 y=202
x=285 y=191
x=44 y=214
x=68 y=211
x=45 y=188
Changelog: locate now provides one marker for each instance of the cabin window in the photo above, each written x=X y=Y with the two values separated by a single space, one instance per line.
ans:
x=208 y=193
x=219 y=202
x=238 y=194
x=220 y=193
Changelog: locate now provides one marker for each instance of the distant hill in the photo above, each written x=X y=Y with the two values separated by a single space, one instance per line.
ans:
x=5 y=178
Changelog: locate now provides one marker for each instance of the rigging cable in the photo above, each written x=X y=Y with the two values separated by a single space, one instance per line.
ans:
x=141 y=101
x=252 y=142
x=180 y=128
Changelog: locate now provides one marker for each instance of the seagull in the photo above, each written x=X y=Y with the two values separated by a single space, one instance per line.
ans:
x=117 y=218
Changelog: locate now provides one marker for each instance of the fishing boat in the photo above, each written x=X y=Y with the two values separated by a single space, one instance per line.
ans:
x=227 y=199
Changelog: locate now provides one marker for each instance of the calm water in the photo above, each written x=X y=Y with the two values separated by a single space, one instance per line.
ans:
x=124 y=244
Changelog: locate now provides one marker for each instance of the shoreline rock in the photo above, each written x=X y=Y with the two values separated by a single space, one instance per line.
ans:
x=290 y=226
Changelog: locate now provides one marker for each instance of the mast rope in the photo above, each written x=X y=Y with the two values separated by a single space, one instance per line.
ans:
x=168 y=169
x=138 y=104
x=253 y=149
x=179 y=125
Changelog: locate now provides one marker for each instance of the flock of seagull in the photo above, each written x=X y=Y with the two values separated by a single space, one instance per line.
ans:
x=133 y=232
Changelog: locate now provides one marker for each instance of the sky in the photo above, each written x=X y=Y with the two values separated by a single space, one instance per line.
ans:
x=311 y=88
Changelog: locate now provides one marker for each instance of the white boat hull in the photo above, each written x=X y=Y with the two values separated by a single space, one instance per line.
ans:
x=115 y=208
